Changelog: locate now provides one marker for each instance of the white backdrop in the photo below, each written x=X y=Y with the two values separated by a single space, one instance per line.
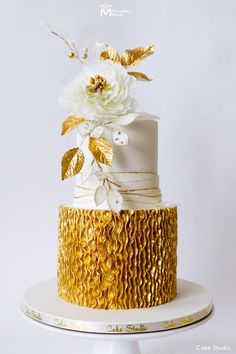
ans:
x=194 y=94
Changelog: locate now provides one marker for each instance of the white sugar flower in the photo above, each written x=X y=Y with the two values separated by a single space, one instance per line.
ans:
x=100 y=92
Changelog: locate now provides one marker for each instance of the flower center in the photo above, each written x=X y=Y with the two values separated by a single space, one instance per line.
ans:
x=97 y=84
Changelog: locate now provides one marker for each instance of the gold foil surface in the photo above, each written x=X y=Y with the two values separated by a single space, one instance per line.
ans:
x=101 y=150
x=117 y=261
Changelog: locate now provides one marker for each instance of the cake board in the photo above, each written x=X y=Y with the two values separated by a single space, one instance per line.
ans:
x=117 y=331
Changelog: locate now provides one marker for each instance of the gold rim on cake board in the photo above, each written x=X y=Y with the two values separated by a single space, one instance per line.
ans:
x=117 y=261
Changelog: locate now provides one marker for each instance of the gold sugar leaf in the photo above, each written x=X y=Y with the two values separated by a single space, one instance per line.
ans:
x=101 y=150
x=134 y=56
x=70 y=123
x=139 y=76
x=71 y=163
x=110 y=53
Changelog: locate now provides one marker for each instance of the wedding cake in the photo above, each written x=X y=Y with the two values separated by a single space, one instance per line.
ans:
x=117 y=239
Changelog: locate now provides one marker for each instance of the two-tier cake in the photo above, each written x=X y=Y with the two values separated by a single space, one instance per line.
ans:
x=117 y=240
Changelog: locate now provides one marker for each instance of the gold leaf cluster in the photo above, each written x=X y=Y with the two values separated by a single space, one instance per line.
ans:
x=130 y=57
x=72 y=162
x=139 y=76
x=70 y=123
x=101 y=150
x=110 y=53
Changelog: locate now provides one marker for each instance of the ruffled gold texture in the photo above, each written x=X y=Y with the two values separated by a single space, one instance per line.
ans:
x=117 y=261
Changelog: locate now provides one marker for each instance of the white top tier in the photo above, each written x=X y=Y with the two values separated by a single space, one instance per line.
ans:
x=141 y=152
x=134 y=169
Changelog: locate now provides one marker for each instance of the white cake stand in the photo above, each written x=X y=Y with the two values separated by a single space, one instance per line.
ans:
x=117 y=332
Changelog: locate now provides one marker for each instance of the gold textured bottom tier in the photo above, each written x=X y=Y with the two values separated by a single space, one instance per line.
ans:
x=117 y=261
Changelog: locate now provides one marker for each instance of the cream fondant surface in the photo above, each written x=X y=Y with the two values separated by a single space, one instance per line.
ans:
x=134 y=169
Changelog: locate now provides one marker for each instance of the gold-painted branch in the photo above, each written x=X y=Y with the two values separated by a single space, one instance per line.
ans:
x=73 y=54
